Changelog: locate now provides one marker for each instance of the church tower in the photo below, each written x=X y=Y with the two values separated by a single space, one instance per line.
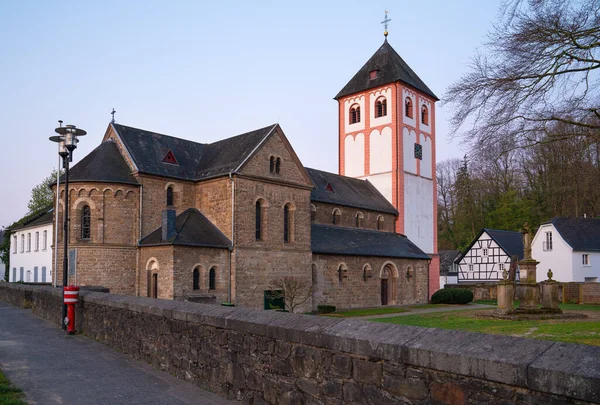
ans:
x=387 y=136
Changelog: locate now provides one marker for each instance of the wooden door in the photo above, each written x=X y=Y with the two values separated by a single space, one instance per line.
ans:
x=384 y=291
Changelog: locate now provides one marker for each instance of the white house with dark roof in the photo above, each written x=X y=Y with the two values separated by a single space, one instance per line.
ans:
x=489 y=255
x=570 y=247
x=31 y=249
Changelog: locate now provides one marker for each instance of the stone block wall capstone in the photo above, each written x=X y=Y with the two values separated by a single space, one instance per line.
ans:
x=265 y=357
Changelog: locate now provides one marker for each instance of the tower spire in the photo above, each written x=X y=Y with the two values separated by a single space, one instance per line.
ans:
x=385 y=24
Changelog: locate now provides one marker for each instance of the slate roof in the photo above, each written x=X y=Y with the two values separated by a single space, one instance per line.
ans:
x=391 y=68
x=336 y=240
x=510 y=241
x=582 y=234
x=447 y=257
x=40 y=217
x=195 y=160
x=348 y=192
x=104 y=164
x=192 y=228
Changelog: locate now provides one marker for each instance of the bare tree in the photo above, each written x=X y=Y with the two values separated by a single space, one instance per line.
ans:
x=294 y=291
x=539 y=68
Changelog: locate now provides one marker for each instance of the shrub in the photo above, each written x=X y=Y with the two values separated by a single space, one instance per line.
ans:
x=325 y=309
x=452 y=296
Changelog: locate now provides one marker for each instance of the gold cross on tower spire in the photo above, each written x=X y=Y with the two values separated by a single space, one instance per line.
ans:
x=385 y=23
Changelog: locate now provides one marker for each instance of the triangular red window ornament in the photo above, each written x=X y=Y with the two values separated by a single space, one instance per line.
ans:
x=170 y=158
x=329 y=188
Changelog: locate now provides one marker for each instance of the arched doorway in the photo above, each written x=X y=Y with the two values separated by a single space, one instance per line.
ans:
x=152 y=280
x=389 y=284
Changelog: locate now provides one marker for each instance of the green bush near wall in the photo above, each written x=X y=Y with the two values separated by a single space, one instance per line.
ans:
x=452 y=296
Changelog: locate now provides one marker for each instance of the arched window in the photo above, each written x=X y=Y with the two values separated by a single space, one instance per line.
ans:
x=288 y=223
x=380 y=223
x=259 y=234
x=381 y=107
x=272 y=164
x=277 y=165
x=366 y=272
x=86 y=222
x=196 y=279
x=313 y=213
x=424 y=115
x=358 y=219
x=408 y=107
x=337 y=216
x=354 y=114
x=212 y=285
x=169 y=196
x=342 y=269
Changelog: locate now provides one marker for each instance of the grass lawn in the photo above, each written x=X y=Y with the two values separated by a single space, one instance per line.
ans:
x=9 y=395
x=366 y=312
x=425 y=306
x=566 y=307
x=579 y=331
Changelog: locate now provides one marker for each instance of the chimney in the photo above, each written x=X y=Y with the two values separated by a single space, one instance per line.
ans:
x=168 y=224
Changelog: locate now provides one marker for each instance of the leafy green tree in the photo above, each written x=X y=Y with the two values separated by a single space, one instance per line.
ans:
x=41 y=195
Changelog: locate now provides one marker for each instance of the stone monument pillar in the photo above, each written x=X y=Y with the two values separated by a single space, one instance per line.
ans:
x=528 y=291
x=550 y=295
x=505 y=295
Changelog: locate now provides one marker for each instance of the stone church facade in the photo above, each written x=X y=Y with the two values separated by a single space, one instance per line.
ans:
x=159 y=216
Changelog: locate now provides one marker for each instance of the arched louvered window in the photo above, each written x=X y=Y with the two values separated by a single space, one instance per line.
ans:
x=424 y=115
x=277 y=165
x=169 y=196
x=86 y=222
x=196 y=279
x=408 y=107
x=381 y=107
x=380 y=223
x=354 y=114
x=337 y=216
x=358 y=219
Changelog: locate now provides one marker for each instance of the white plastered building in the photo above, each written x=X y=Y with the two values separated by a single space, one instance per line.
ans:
x=31 y=250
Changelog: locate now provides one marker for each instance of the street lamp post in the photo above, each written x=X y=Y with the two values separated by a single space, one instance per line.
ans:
x=67 y=141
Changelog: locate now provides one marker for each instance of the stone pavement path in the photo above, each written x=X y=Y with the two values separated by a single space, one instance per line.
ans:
x=418 y=311
x=54 y=368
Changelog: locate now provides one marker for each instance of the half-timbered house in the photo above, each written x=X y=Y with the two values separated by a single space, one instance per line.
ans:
x=489 y=255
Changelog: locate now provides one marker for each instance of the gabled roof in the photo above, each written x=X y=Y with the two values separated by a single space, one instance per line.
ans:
x=104 y=164
x=195 y=160
x=582 y=234
x=348 y=192
x=509 y=241
x=391 y=68
x=336 y=240
x=192 y=228
x=40 y=217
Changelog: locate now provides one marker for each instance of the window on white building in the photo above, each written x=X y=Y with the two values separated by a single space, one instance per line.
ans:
x=37 y=241
x=500 y=267
x=29 y=242
x=470 y=267
x=547 y=245
x=591 y=279
x=45 y=240
x=585 y=259
x=22 y=243
x=15 y=244
x=484 y=252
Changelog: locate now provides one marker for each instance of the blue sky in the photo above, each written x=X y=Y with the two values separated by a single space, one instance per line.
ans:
x=208 y=70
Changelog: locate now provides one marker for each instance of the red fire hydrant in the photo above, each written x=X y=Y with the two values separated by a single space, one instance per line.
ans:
x=71 y=294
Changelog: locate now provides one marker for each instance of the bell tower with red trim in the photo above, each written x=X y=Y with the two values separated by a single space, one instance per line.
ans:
x=387 y=136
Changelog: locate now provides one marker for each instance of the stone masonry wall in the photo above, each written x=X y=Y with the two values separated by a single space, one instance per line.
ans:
x=266 y=357
x=324 y=216
x=354 y=291
x=186 y=259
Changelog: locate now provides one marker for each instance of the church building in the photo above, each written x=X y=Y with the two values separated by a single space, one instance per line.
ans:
x=161 y=216
x=387 y=136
